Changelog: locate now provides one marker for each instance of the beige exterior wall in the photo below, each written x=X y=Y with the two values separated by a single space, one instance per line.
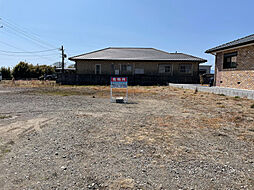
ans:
x=150 y=68
x=241 y=77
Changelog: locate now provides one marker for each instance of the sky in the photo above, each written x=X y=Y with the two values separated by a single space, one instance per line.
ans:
x=81 y=26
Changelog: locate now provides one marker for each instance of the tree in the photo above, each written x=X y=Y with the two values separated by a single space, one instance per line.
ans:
x=21 y=70
x=27 y=71
x=6 y=72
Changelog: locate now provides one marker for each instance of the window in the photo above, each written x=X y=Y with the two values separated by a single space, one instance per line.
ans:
x=164 y=68
x=139 y=71
x=97 y=69
x=126 y=68
x=230 y=60
x=186 y=68
x=202 y=71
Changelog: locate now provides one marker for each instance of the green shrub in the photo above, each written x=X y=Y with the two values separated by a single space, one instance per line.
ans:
x=6 y=72
x=25 y=70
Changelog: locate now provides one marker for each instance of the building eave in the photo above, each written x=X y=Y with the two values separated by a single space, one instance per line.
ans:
x=139 y=60
x=211 y=51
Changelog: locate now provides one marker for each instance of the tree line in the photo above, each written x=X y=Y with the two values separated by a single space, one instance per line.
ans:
x=25 y=70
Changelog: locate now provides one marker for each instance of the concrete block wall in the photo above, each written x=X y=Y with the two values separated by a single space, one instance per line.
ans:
x=218 y=90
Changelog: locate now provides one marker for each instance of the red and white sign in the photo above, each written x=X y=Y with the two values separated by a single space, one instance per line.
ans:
x=119 y=82
x=118 y=79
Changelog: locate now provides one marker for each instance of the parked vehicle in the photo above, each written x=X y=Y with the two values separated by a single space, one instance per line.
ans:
x=49 y=77
x=206 y=78
x=211 y=81
x=1 y=77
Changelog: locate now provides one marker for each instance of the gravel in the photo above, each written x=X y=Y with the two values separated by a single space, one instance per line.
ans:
x=163 y=139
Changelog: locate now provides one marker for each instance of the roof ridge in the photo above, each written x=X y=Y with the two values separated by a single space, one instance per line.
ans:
x=192 y=56
x=236 y=40
x=89 y=52
x=179 y=53
x=130 y=48
x=166 y=51
x=228 y=43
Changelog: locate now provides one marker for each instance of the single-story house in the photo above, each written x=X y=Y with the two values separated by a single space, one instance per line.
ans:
x=234 y=63
x=142 y=66
x=205 y=69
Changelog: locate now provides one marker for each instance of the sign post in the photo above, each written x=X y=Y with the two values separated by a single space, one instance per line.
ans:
x=119 y=82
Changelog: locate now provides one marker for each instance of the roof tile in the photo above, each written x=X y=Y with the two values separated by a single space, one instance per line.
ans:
x=242 y=41
x=136 y=54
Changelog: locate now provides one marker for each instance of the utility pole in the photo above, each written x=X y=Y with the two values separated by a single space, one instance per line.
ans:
x=63 y=56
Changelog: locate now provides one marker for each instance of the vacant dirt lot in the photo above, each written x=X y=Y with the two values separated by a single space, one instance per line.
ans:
x=55 y=137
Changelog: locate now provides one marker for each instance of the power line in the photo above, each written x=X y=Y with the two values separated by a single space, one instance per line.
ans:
x=36 y=55
x=19 y=55
x=15 y=55
x=41 y=56
x=22 y=33
x=25 y=32
x=17 y=30
x=17 y=33
x=10 y=45
x=28 y=52
x=24 y=28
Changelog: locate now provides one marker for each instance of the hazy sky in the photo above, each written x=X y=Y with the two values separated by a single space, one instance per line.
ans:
x=188 y=26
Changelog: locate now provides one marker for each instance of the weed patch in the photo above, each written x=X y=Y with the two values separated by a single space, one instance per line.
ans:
x=5 y=116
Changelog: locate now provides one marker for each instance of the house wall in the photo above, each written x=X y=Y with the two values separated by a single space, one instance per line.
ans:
x=241 y=77
x=85 y=73
x=150 y=68
x=207 y=68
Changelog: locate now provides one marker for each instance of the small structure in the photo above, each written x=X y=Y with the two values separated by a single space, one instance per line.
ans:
x=66 y=70
x=205 y=69
x=142 y=66
x=234 y=63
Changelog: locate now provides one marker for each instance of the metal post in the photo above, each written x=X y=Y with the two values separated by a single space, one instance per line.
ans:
x=111 y=98
x=126 y=94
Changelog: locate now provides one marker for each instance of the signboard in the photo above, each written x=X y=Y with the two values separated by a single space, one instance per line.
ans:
x=119 y=82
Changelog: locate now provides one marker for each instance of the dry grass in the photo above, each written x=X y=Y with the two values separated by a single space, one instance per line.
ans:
x=51 y=88
x=28 y=83
x=5 y=116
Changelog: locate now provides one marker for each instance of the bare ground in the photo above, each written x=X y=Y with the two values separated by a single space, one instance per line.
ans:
x=67 y=137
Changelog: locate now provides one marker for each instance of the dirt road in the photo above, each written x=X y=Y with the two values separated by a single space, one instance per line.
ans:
x=166 y=138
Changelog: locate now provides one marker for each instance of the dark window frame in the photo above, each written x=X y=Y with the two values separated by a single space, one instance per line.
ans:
x=124 y=68
x=228 y=62
x=97 y=72
x=183 y=68
x=165 y=69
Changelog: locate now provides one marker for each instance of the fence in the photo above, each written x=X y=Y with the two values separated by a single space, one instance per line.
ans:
x=143 y=80
x=218 y=90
